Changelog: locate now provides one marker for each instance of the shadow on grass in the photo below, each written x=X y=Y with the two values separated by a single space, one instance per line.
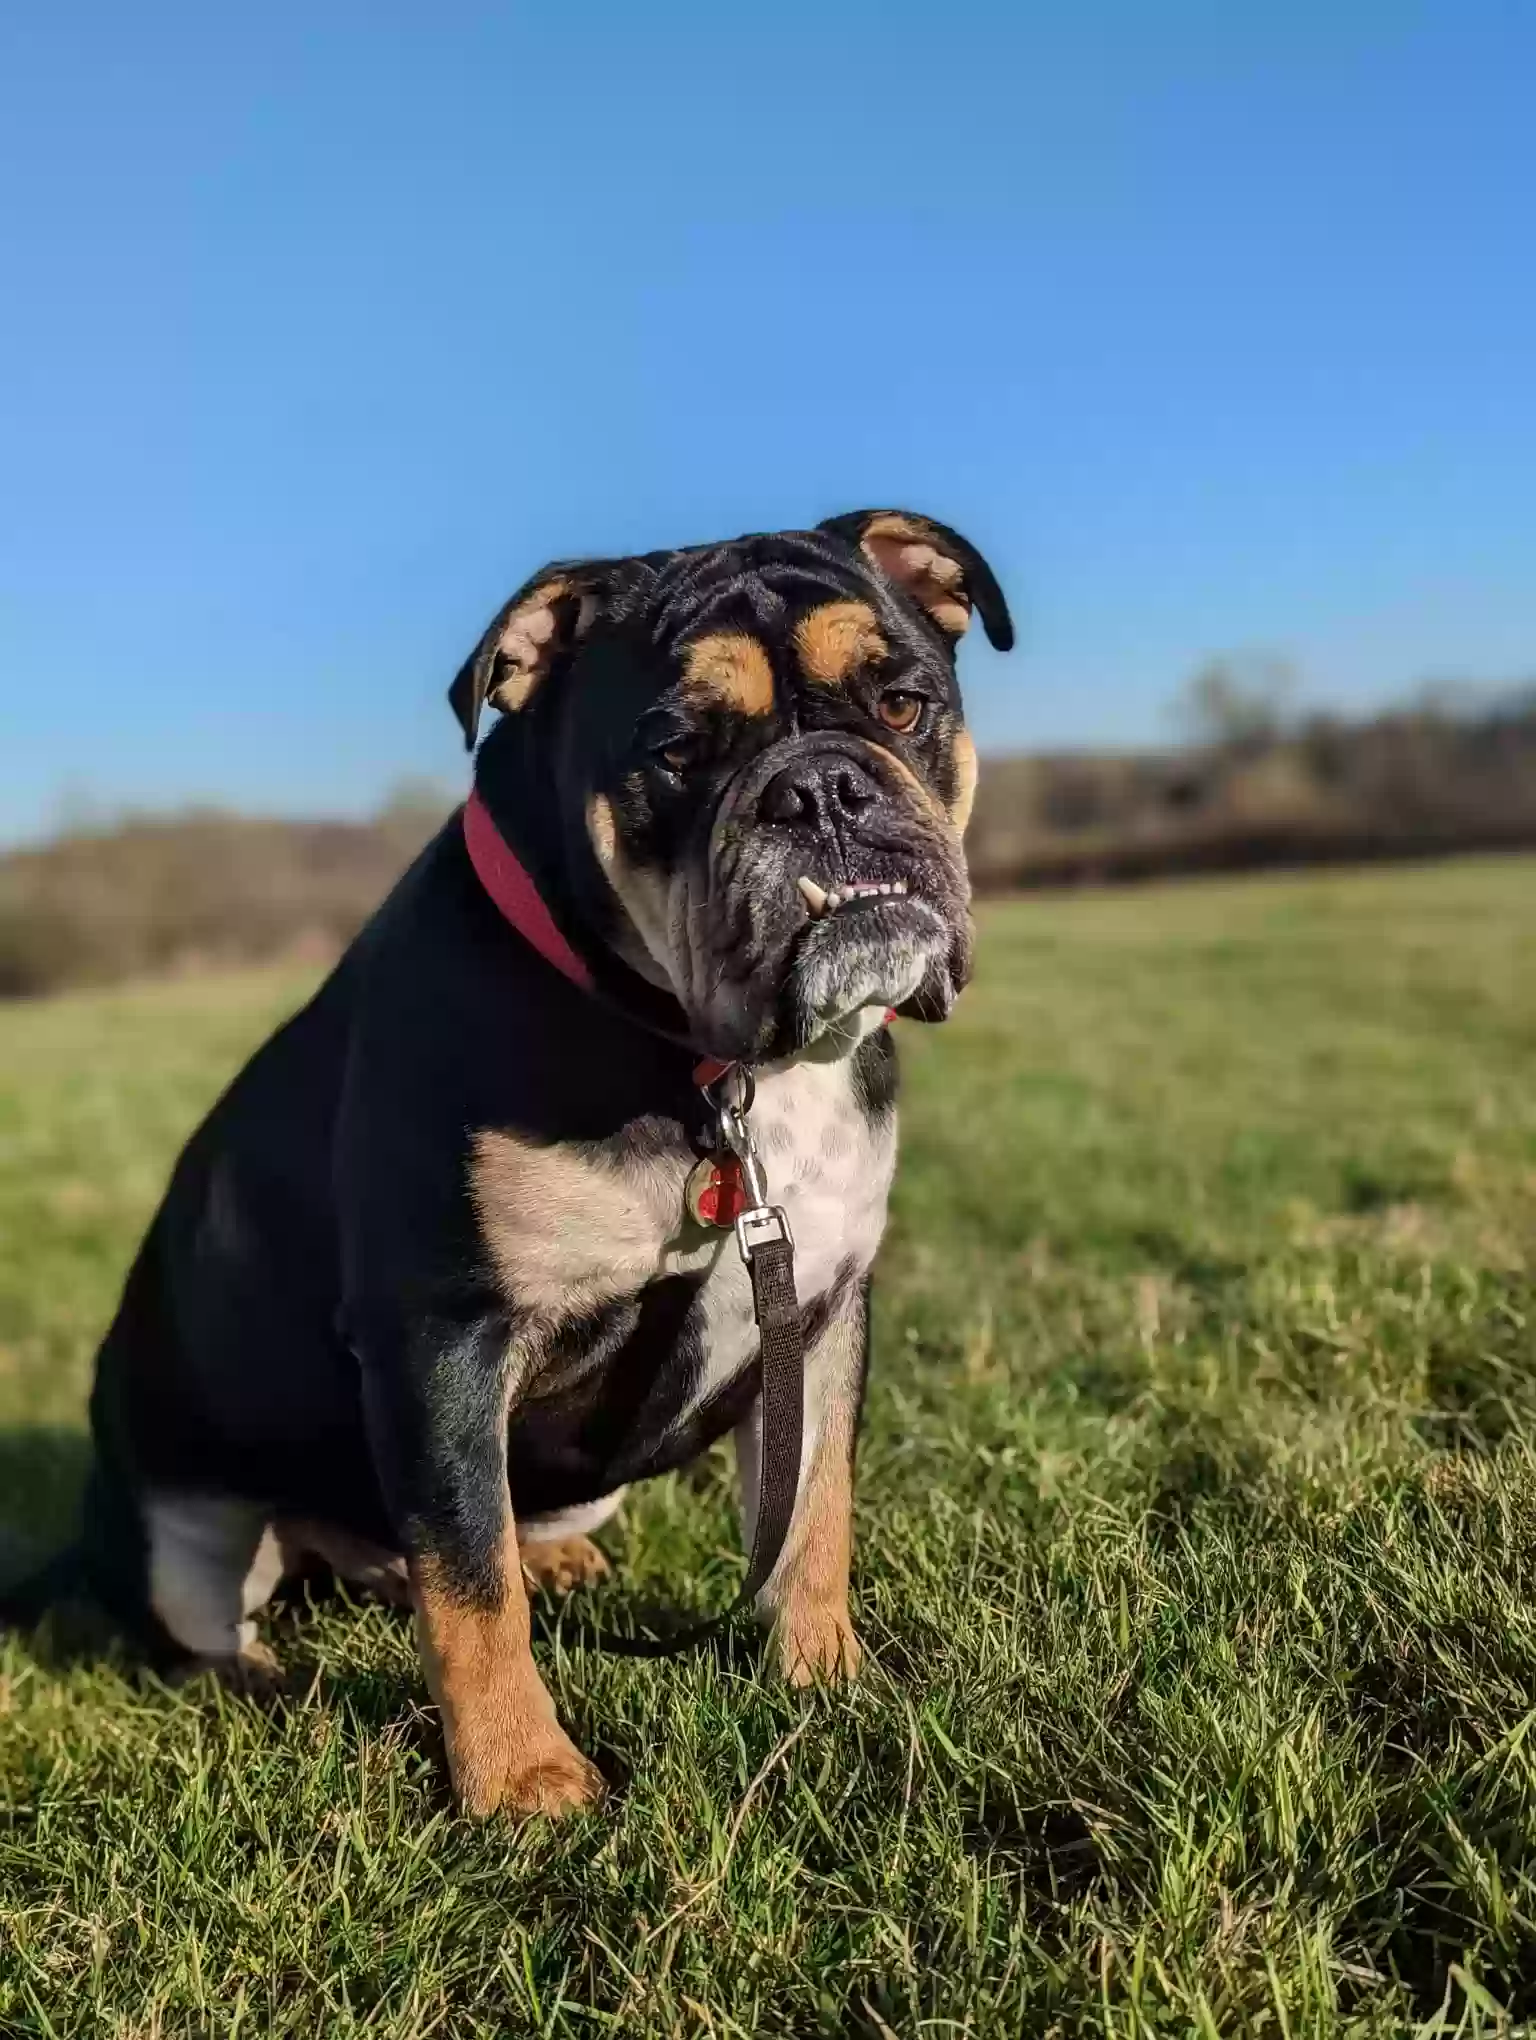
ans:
x=1419 y=1927
x=1052 y=1851
x=42 y=1471
x=605 y=1625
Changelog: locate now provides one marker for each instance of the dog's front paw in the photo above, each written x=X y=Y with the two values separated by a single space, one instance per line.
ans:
x=560 y=1563
x=812 y=1644
x=534 y=1769
x=559 y=1780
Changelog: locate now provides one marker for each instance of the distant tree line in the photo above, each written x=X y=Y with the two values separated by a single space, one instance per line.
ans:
x=1258 y=782
x=152 y=894
x=1254 y=782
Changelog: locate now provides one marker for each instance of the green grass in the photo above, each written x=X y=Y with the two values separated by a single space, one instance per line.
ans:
x=1197 y=1554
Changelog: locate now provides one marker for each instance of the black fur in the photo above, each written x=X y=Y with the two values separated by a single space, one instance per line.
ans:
x=312 y=1321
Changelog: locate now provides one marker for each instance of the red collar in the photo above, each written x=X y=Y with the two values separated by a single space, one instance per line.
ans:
x=515 y=893
x=517 y=897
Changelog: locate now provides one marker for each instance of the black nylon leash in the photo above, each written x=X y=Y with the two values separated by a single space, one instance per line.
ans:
x=767 y=1246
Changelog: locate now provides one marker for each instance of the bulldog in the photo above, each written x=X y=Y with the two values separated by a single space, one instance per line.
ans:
x=437 y=1278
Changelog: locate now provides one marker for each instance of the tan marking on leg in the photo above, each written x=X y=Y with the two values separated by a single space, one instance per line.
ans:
x=836 y=639
x=505 y=1747
x=965 y=780
x=812 y=1629
x=560 y=1563
x=732 y=668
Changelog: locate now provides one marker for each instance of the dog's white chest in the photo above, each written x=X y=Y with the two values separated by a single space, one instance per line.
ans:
x=831 y=1171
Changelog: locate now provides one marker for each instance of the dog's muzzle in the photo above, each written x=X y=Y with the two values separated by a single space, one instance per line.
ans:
x=834 y=889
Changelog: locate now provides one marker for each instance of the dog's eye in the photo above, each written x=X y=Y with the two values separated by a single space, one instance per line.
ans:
x=900 y=710
x=677 y=755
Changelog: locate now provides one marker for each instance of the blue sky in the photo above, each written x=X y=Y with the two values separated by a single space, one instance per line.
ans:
x=1214 y=325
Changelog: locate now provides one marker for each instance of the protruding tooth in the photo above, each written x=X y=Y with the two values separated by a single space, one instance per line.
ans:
x=899 y=886
x=834 y=901
x=815 y=898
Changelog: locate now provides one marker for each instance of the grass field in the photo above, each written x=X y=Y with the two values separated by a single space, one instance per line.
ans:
x=1197 y=1554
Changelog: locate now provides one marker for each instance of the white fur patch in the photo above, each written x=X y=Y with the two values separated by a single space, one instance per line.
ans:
x=213 y=1563
x=577 y=1522
x=831 y=1171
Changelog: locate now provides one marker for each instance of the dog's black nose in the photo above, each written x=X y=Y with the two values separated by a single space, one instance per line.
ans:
x=818 y=793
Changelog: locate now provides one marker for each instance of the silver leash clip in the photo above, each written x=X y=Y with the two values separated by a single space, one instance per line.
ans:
x=762 y=1224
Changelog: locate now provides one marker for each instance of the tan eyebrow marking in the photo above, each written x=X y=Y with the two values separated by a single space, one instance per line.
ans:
x=731 y=667
x=837 y=638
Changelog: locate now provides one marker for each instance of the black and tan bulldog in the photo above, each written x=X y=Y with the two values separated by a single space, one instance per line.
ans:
x=425 y=1292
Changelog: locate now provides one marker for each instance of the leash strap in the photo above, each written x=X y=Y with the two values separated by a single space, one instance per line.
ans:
x=782 y=1345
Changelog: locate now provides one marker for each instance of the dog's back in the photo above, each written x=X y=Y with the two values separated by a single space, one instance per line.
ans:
x=224 y=1339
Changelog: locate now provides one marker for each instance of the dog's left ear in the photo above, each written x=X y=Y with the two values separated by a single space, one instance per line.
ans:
x=527 y=636
x=935 y=566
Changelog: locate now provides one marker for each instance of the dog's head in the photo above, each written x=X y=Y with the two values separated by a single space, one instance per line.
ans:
x=744 y=770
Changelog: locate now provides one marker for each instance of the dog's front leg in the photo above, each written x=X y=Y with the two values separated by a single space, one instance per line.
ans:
x=806 y=1598
x=437 y=1400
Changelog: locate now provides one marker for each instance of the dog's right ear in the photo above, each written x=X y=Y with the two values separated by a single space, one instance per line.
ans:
x=528 y=636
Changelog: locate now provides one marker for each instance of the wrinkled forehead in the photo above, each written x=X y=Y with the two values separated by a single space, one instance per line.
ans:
x=864 y=592
x=739 y=626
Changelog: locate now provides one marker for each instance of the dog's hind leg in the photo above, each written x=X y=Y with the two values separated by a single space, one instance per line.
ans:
x=213 y=1564
x=556 y=1551
x=356 y=1560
